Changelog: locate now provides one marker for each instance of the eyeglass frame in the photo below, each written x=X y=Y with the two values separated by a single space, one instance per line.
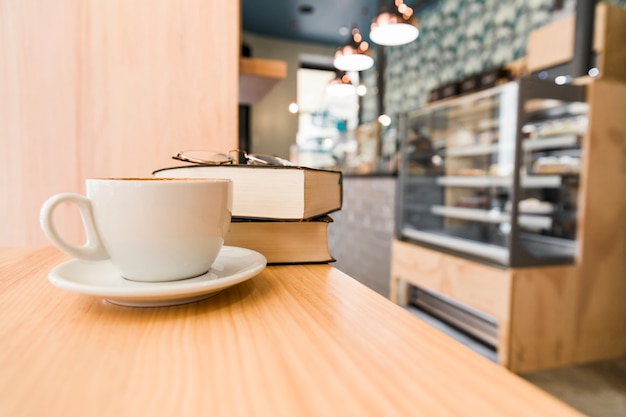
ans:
x=251 y=159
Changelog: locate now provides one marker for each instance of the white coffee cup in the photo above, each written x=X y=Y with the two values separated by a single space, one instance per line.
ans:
x=151 y=229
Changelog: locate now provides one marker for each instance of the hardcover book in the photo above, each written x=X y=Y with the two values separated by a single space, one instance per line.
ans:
x=272 y=192
x=283 y=242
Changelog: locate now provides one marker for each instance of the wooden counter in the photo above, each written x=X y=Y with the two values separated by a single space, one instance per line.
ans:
x=304 y=340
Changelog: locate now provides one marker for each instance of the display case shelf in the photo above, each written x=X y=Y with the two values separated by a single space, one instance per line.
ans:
x=527 y=181
x=473 y=150
x=563 y=141
x=492 y=216
x=467 y=246
x=548 y=142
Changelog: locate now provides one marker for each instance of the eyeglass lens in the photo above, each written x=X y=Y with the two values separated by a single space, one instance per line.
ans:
x=204 y=157
x=233 y=156
x=266 y=160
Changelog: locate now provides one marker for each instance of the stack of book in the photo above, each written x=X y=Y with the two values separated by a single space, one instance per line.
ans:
x=279 y=211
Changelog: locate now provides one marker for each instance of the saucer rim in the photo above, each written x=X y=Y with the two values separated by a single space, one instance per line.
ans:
x=137 y=290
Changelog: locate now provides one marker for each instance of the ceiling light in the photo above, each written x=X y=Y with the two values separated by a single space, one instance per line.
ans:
x=397 y=26
x=561 y=79
x=341 y=86
x=384 y=120
x=354 y=55
x=593 y=72
x=344 y=30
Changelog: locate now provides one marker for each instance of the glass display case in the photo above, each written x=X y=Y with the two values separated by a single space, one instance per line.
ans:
x=494 y=175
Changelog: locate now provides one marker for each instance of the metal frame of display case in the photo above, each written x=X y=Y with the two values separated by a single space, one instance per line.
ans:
x=515 y=253
x=531 y=88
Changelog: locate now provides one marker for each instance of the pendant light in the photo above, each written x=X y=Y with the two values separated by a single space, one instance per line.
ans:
x=354 y=55
x=341 y=86
x=397 y=26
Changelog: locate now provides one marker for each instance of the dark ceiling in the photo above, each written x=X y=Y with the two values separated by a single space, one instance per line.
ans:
x=313 y=21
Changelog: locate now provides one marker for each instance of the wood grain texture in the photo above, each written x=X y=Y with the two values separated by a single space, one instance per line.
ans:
x=545 y=318
x=553 y=44
x=38 y=113
x=479 y=286
x=603 y=218
x=612 y=61
x=258 y=76
x=107 y=89
x=293 y=341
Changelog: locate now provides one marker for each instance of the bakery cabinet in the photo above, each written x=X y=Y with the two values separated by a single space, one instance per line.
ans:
x=511 y=219
x=494 y=175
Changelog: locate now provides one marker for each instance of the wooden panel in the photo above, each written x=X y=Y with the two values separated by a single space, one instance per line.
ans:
x=471 y=283
x=479 y=286
x=612 y=61
x=158 y=77
x=107 y=89
x=603 y=200
x=544 y=318
x=553 y=44
x=38 y=114
x=257 y=77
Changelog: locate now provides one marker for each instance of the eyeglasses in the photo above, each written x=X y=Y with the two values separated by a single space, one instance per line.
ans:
x=230 y=158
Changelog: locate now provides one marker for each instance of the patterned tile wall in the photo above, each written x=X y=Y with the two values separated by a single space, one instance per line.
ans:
x=368 y=111
x=360 y=236
x=457 y=38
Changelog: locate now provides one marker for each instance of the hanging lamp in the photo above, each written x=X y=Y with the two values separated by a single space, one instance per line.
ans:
x=340 y=86
x=396 y=26
x=354 y=55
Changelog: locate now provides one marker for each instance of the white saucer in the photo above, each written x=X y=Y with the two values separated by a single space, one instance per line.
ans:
x=232 y=266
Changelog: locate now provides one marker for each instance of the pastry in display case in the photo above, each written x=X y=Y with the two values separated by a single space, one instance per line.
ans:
x=494 y=175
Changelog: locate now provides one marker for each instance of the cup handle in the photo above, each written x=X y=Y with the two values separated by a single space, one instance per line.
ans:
x=92 y=250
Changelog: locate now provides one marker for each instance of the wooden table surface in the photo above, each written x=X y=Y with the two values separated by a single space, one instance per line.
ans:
x=303 y=340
